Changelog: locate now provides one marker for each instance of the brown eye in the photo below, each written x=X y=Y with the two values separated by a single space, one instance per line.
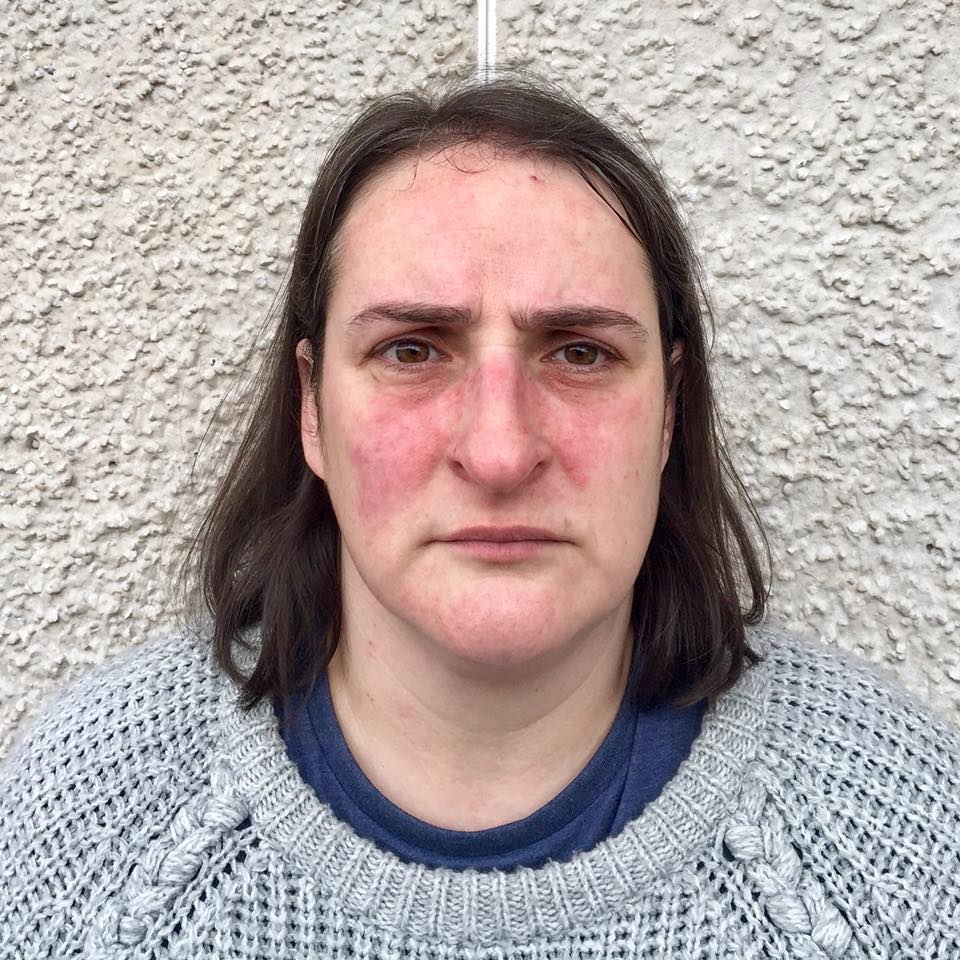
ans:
x=408 y=351
x=581 y=354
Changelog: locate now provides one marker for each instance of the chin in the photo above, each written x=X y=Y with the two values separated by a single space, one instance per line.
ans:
x=500 y=638
x=496 y=659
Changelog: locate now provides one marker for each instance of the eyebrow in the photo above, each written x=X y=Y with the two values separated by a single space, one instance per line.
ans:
x=559 y=317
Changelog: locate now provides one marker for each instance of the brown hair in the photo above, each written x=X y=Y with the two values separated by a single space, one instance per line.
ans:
x=268 y=548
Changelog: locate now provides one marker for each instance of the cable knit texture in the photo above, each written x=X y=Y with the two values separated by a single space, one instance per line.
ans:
x=143 y=814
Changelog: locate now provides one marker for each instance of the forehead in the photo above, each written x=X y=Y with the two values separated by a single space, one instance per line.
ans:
x=469 y=222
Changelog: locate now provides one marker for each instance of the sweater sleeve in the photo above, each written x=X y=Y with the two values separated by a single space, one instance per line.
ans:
x=96 y=774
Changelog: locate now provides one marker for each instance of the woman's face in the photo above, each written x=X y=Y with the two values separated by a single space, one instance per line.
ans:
x=492 y=362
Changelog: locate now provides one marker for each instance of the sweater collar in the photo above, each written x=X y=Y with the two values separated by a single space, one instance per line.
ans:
x=444 y=905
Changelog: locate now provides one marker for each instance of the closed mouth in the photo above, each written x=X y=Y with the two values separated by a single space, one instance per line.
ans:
x=502 y=534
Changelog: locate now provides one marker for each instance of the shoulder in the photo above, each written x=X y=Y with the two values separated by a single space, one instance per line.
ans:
x=827 y=698
x=836 y=718
x=849 y=817
x=97 y=773
x=145 y=691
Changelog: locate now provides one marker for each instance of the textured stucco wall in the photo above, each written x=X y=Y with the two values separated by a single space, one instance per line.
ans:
x=153 y=167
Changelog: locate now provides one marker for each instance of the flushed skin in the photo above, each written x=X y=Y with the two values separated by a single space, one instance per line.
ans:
x=489 y=423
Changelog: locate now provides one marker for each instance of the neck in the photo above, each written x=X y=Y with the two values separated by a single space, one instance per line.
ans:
x=469 y=751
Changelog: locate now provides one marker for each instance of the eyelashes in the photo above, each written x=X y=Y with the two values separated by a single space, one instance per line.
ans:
x=408 y=346
x=413 y=354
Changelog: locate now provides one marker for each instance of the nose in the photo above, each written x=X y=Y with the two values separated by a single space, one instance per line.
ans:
x=498 y=445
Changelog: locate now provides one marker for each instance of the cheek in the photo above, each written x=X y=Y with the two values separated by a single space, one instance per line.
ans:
x=613 y=440
x=392 y=449
x=582 y=443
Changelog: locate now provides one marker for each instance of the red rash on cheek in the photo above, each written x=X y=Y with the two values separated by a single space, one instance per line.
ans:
x=589 y=438
x=580 y=444
x=397 y=446
x=393 y=452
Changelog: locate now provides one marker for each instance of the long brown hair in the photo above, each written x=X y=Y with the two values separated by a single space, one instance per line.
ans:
x=268 y=549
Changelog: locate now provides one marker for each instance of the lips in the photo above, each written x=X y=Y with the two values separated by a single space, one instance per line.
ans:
x=502 y=534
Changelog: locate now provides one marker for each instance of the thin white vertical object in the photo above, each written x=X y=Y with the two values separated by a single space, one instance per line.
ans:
x=486 y=39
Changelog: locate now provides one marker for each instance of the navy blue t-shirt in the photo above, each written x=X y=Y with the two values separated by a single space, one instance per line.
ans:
x=641 y=752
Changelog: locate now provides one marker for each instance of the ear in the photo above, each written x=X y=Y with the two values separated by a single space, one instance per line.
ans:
x=309 y=413
x=670 y=408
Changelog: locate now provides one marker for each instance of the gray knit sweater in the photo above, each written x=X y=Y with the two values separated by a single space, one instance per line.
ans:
x=817 y=816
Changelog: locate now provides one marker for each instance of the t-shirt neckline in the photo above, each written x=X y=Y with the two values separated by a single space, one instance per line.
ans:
x=571 y=802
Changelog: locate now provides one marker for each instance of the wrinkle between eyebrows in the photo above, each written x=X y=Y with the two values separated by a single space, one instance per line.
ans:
x=561 y=317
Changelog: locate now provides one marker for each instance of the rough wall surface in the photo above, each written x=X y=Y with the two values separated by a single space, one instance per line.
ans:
x=153 y=168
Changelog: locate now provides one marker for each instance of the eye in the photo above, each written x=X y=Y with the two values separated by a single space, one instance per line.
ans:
x=409 y=352
x=583 y=354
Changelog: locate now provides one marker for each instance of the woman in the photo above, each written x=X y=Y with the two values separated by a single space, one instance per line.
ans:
x=484 y=672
